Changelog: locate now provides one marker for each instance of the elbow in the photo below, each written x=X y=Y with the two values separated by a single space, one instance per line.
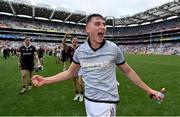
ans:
x=70 y=73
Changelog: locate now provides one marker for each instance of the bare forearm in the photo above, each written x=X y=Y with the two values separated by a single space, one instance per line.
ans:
x=37 y=59
x=64 y=40
x=38 y=80
x=58 y=77
x=132 y=75
x=137 y=81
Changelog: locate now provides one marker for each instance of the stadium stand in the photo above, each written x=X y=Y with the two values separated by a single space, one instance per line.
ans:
x=155 y=31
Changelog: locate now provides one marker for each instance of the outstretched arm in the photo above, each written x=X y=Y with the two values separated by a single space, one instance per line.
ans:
x=64 y=41
x=132 y=75
x=39 y=80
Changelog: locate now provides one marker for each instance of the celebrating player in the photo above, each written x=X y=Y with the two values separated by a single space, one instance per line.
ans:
x=98 y=59
x=70 y=52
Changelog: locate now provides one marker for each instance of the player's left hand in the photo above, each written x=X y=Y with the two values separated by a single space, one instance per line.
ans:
x=156 y=95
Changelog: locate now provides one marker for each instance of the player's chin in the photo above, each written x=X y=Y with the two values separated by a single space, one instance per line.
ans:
x=100 y=41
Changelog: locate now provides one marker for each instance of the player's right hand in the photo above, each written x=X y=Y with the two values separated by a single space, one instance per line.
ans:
x=68 y=33
x=38 y=80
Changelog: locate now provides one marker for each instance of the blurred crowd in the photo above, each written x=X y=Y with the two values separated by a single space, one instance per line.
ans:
x=146 y=29
x=11 y=47
x=29 y=24
x=20 y=23
x=158 y=48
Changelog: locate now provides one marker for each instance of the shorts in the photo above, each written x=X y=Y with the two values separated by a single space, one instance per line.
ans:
x=99 y=109
x=64 y=56
x=63 y=59
x=26 y=66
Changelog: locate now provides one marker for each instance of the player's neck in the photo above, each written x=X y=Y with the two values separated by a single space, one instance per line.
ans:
x=27 y=45
x=73 y=46
x=95 y=46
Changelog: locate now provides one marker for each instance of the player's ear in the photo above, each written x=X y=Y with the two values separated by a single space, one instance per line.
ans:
x=87 y=29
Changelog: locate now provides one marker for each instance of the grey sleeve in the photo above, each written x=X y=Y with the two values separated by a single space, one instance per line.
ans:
x=75 y=57
x=120 y=57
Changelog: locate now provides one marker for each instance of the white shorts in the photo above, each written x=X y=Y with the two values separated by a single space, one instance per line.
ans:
x=100 y=109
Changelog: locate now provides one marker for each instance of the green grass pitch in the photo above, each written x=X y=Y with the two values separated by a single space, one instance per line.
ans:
x=57 y=99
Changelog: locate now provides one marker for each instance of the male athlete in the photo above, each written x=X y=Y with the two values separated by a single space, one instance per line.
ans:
x=70 y=49
x=41 y=53
x=27 y=54
x=98 y=59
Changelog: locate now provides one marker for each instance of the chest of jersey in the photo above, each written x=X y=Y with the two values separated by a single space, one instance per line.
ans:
x=96 y=60
x=27 y=51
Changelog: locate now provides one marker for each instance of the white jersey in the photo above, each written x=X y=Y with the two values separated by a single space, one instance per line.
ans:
x=98 y=69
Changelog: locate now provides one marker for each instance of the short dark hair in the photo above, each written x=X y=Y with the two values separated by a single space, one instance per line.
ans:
x=27 y=38
x=93 y=15
x=73 y=37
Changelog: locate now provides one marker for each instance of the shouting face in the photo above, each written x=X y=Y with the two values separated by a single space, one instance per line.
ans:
x=96 y=29
x=74 y=41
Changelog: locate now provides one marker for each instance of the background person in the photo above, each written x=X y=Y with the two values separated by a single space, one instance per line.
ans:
x=27 y=54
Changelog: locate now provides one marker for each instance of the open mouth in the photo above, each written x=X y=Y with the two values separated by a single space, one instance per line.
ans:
x=100 y=34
